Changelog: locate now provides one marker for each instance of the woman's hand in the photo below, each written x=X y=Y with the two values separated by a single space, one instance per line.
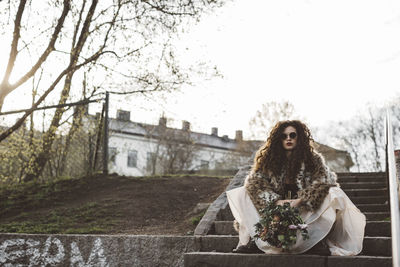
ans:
x=282 y=201
x=292 y=202
x=295 y=202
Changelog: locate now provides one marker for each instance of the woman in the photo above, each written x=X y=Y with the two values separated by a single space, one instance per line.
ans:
x=287 y=169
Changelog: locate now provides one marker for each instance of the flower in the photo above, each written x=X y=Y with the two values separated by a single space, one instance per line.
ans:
x=300 y=226
x=276 y=218
x=278 y=225
x=303 y=226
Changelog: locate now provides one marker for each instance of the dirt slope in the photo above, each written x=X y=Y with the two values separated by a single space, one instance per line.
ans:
x=108 y=204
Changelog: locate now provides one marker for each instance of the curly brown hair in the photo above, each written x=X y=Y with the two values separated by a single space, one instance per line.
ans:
x=272 y=157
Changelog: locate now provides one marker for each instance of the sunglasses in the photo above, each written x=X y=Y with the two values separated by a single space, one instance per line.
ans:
x=292 y=135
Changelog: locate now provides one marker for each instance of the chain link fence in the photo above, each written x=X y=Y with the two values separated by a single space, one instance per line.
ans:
x=77 y=147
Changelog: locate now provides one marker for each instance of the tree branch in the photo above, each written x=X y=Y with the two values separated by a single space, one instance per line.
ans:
x=84 y=31
x=21 y=120
x=49 y=49
x=81 y=102
x=136 y=91
x=163 y=10
x=78 y=23
x=14 y=46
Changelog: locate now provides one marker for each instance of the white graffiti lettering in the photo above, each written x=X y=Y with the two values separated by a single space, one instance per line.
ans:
x=53 y=259
x=76 y=257
x=53 y=253
x=96 y=258
x=33 y=251
x=6 y=250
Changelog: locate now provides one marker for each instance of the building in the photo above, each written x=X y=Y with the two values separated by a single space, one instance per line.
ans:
x=137 y=149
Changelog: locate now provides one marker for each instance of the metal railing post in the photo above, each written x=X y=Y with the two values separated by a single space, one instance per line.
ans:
x=105 y=135
x=393 y=193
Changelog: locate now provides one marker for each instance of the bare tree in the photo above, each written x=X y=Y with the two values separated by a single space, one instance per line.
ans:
x=373 y=126
x=362 y=136
x=173 y=151
x=394 y=111
x=267 y=116
x=123 y=40
x=241 y=156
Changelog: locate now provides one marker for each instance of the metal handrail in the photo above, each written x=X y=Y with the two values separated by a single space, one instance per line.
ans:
x=393 y=192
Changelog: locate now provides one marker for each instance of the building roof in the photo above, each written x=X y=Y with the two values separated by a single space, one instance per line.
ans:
x=158 y=131
x=203 y=139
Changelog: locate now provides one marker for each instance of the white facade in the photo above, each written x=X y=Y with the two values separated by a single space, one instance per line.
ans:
x=120 y=145
x=130 y=147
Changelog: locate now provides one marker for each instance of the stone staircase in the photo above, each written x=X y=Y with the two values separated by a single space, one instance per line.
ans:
x=367 y=191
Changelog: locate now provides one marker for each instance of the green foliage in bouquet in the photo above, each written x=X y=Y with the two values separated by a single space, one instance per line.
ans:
x=279 y=225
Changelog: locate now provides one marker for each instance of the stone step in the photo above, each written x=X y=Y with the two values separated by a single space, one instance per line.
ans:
x=225 y=215
x=224 y=228
x=369 y=200
x=365 y=192
x=372 y=246
x=377 y=216
x=378 y=228
x=203 y=259
x=342 y=180
x=373 y=207
x=372 y=228
x=361 y=174
x=357 y=177
x=377 y=246
x=369 y=185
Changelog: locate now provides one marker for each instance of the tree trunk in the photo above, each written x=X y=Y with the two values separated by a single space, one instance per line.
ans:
x=76 y=124
x=39 y=161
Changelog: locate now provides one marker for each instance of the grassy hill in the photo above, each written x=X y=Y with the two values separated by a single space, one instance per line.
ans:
x=108 y=205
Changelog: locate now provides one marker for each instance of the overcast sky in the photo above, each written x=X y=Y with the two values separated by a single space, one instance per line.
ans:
x=329 y=58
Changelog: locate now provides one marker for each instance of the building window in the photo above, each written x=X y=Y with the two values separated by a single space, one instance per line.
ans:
x=112 y=154
x=204 y=164
x=150 y=161
x=132 y=158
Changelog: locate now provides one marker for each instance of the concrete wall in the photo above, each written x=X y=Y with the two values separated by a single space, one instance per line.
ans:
x=95 y=250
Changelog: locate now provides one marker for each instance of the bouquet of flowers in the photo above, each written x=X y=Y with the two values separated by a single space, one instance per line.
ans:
x=279 y=225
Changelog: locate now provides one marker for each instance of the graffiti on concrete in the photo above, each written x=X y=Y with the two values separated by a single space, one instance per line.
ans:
x=96 y=256
x=52 y=252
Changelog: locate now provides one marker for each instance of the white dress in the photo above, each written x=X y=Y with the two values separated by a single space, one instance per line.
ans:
x=337 y=211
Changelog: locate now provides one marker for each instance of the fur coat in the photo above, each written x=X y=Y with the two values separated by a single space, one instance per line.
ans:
x=312 y=187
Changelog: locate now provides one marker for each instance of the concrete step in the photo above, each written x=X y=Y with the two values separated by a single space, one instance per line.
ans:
x=224 y=228
x=373 y=207
x=342 y=180
x=361 y=174
x=359 y=177
x=372 y=246
x=377 y=216
x=373 y=228
x=377 y=246
x=203 y=259
x=225 y=215
x=365 y=192
x=363 y=185
x=378 y=228
x=369 y=200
